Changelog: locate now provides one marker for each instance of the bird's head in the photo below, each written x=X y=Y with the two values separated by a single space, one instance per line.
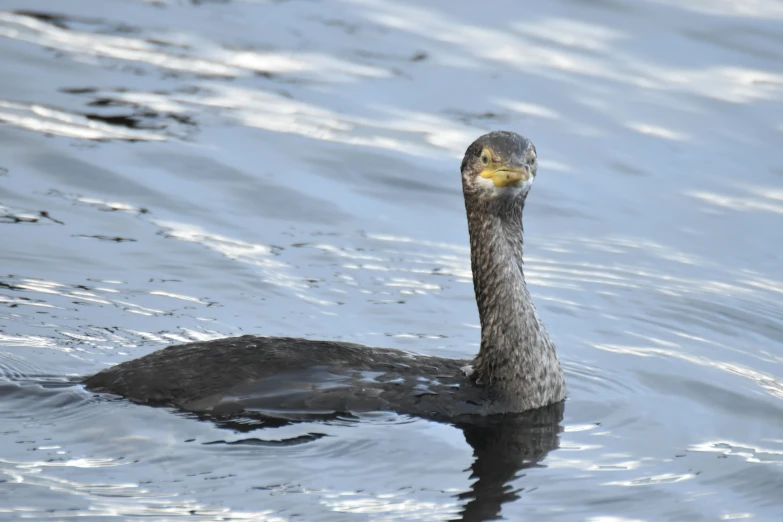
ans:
x=499 y=164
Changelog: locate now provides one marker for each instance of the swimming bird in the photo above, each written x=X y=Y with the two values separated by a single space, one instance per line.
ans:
x=516 y=369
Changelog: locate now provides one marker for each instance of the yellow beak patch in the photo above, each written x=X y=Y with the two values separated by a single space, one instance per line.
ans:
x=505 y=176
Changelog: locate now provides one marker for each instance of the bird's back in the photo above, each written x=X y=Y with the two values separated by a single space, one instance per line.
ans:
x=292 y=378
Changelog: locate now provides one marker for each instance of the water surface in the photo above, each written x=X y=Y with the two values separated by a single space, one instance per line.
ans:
x=176 y=171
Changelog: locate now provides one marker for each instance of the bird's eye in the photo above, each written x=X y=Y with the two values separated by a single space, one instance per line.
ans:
x=484 y=158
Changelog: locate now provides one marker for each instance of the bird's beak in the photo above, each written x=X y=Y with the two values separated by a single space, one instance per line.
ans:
x=504 y=176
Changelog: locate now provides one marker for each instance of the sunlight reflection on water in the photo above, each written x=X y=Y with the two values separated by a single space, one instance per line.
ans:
x=178 y=171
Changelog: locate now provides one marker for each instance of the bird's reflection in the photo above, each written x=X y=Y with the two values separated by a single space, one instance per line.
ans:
x=503 y=445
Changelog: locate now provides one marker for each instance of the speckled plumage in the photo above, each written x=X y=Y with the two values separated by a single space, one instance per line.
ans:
x=517 y=368
x=517 y=361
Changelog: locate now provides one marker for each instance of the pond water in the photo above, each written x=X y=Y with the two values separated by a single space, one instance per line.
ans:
x=179 y=170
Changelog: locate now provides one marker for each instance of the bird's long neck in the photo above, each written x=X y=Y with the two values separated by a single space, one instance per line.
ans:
x=517 y=360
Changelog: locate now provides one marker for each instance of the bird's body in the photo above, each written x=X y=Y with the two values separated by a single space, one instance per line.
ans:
x=517 y=368
x=293 y=378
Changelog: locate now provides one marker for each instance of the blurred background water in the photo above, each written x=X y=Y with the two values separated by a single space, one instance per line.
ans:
x=179 y=170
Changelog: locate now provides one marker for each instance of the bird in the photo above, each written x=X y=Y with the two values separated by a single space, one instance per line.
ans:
x=516 y=369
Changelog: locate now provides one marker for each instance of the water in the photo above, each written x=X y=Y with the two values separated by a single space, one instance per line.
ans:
x=175 y=170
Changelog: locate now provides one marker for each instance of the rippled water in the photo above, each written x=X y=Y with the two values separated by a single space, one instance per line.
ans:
x=176 y=170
